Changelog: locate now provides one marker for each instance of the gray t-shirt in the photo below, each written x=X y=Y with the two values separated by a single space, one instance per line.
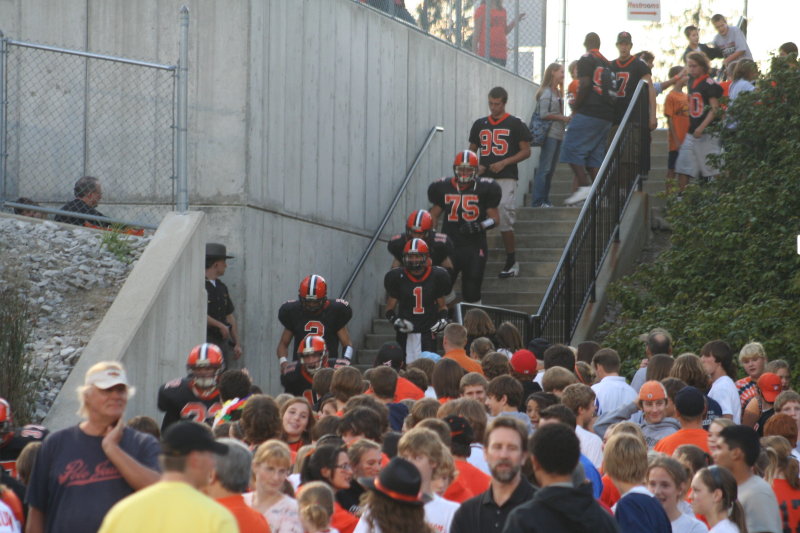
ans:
x=732 y=42
x=760 y=506
x=552 y=104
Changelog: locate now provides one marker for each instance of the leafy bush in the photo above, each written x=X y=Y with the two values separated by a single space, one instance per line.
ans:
x=732 y=271
x=19 y=380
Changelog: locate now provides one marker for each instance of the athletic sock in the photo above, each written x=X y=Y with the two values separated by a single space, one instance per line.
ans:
x=510 y=260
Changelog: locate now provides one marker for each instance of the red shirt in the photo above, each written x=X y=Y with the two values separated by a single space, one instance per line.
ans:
x=610 y=495
x=474 y=478
x=457 y=491
x=698 y=437
x=406 y=390
x=787 y=503
x=248 y=518
x=342 y=520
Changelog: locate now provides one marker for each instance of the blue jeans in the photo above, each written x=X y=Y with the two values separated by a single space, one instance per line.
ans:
x=544 y=172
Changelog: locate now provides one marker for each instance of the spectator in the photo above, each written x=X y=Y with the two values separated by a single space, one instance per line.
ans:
x=724 y=513
x=145 y=424
x=235 y=388
x=693 y=36
x=523 y=368
x=475 y=413
x=297 y=421
x=730 y=41
x=261 y=420
x=781 y=368
x=676 y=109
x=395 y=8
x=231 y=479
x=738 y=450
x=480 y=347
x=535 y=403
x=454 y=340
x=28 y=212
x=384 y=381
x=369 y=401
x=585 y=142
x=668 y=481
x=504 y=396
x=503 y=140
x=330 y=464
x=761 y=408
x=505 y=453
x=395 y=501
x=784 y=426
x=424 y=449
x=25 y=462
x=509 y=339
x=538 y=347
x=717 y=359
x=316 y=507
x=611 y=389
x=657 y=341
x=785 y=49
x=714 y=430
x=88 y=193
x=346 y=383
x=580 y=399
x=557 y=355
x=447 y=375
x=495 y=364
x=649 y=412
x=271 y=463
x=360 y=423
x=426 y=365
x=556 y=379
x=689 y=369
x=586 y=351
x=478 y=324
x=556 y=506
x=392 y=355
x=9 y=522
x=585 y=373
x=659 y=366
x=692 y=458
x=625 y=461
x=175 y=503
x=461 y=437
x=498 y=29
x=629 y=71
x=221 y=328
x=365 y=458
x=63 y=494
x=698 y=145
x=550 y=105
x=473 y=385
x=690 y=407
x=743 y=76
x=782 y=475
x=753 y=360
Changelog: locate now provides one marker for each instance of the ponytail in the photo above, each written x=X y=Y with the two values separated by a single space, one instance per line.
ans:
x=737 y=516
x=315 y=504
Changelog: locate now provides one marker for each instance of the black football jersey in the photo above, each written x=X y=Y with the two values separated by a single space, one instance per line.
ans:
x=180 y=401
x=441 y=247
x=701 y=90
x=499 y=139
x=628 y=74
x=13 y=444
x=333 y=317
x=416 y=298
x=297 y=381
x=459 y=206
x=595 y=104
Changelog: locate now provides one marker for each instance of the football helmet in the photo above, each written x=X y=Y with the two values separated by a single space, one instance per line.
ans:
x=419 y=225
x=465 y=167
x=5 y=417
x=416 y=256
x=202 y=358
x=313 y=353
x=313 y=293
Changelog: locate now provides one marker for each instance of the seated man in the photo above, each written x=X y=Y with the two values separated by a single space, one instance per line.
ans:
x=88 y=194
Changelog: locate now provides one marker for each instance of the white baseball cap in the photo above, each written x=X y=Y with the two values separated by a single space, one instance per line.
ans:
x=107 y=378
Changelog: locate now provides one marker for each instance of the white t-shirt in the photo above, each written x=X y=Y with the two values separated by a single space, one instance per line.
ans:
x=733 y=41
x=8 y=523
x=688 y=524
x=539 y=375
x=724 y=392
x=477 y=459
x=439 y=513
x=613 y=391
x=591 y=446
x=282 y=517
x=725 y=526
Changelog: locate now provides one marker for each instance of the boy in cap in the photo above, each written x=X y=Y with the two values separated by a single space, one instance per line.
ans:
x=652 y=411
x=761 y=408
x=629 y=70
x=221 y=326
x=175 y=503
x=523 y=368
x=690 y=407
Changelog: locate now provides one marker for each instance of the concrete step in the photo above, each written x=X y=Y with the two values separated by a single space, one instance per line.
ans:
x=551 y=213
x=526 y=255
x=527 y=268
x=376 y=340
x=505 y=299
x=541 y=227
x=495 y=240
x=509 y=286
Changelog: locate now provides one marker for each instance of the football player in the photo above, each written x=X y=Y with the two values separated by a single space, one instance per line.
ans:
x=313 y=314
x=415 y=300
x=298 y=376
x=420 y=226
x=195 y=397
x=468 y=207
x=13 y=440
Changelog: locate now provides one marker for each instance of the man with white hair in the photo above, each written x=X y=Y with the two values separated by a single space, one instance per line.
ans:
x=82 y=471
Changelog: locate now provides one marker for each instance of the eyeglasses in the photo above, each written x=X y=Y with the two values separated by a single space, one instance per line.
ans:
x=345 y=466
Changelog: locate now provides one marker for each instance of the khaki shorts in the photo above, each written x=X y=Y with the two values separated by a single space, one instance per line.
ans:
x=508 y=204
x=693 y=156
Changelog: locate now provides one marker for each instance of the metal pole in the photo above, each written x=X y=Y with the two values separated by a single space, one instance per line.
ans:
x=487 y=16
x=459 y=14
x=516 y=40
x=564 y=31
x=544 y=40
x=3 y=115
x=182 y=104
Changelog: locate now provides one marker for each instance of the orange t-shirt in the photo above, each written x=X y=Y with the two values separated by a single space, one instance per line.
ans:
x=474 y=478
x=698 y=437
x=464 y=361
x=676 y=109
x=788 y=503
x=458 y=491
x=342 y=520
x=572 y=92
x=498 y=45
x=407 y=391
x=248 y=518
x=610 y=495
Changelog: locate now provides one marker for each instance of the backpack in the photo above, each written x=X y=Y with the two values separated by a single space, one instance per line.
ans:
x=539 y=127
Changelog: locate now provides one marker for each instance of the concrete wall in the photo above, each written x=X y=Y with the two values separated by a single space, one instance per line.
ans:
x=304 y=117
x=155 y=320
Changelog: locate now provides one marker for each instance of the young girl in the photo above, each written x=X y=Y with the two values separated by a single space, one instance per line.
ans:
x=668 y=480
x=782 y=475
x=537 y=402
x=550 y=104
x=714 y=495
x=316 y=507
x=297 y=421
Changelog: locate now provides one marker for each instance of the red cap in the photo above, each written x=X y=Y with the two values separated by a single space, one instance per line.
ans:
x=770 y=386
x=524 y=362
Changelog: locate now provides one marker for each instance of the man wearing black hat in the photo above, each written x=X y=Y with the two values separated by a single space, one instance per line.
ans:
x=629 y=70
x=221 y=324
x=176 y=503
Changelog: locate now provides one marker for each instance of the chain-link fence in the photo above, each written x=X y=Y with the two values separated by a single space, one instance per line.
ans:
x=516 y=28
x=70 y=114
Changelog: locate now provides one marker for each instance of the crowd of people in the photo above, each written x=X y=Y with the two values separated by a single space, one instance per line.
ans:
x=489 y=436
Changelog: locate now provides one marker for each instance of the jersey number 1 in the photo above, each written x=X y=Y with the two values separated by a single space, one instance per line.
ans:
x=418 y=308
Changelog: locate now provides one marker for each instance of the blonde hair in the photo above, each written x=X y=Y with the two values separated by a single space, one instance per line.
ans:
x=273 y=451
x=547 y=80
x=752 y=350
x=781 y=461
x=423 y=441
x=557 y=379
x=315 y=504
x=83 y=389
x=625 y=458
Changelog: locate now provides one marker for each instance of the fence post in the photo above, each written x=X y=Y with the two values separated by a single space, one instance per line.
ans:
x=487 y=30
x=459 y=20
x=182 y=104
x=3 y=116
x=516 y=39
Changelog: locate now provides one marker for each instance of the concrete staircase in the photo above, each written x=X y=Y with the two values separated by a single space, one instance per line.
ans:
x=541 y=234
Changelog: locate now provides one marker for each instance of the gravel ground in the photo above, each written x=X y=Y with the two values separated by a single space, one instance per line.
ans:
x=69 y=279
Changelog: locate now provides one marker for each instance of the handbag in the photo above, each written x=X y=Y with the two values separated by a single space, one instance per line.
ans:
x=539 y=127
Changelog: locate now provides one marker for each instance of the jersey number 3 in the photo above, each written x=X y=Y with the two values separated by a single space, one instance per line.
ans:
x=468 y=204
x=493 y=142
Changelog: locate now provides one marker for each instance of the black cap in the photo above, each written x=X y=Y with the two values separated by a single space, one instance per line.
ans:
x=391 y=354
x=215 y=249
x=689 y=401
x=460 y=430
x=538 y=346
x=624 y=37
x=400 y=481
x=184 y=437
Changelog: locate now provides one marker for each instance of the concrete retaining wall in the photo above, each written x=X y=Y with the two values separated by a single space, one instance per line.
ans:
x=155 y=320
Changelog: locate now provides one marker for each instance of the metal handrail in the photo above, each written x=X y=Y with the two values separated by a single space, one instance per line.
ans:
x=389 y=211
x=605 y=194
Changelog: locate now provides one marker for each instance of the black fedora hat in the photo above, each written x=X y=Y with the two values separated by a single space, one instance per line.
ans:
x=215 y=249
x=400 y=481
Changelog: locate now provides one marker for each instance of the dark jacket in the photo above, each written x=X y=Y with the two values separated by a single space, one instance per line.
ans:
x=561 y=509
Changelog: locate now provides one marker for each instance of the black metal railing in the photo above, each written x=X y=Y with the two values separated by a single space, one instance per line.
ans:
x=573 y=283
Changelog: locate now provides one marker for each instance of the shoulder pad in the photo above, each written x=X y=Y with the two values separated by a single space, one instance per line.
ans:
x=339 y=363
x=343 y=302
x=173 y=383
x=396 y=237
x=486 y=180
x=33 y=431
x=440 y=237
x=290 y=367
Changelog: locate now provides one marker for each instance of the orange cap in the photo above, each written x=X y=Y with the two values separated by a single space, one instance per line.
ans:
x=652 y=390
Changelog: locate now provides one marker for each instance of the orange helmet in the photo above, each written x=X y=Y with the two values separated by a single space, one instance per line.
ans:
x=5 y=417
x=416 y=256
x=313 y=293
x=465 y=167
x=419 y=224
x=204 y=356
x=311 y=346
